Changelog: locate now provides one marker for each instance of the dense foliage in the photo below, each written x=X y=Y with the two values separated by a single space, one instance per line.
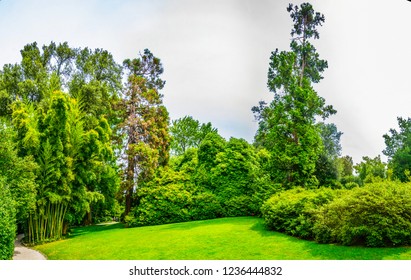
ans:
x=294 y=211
x=398 y=149
x=376 y=215
x=219 y=179
x=7 y=222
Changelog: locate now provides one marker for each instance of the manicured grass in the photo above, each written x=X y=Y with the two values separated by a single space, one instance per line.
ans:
x=242 y=238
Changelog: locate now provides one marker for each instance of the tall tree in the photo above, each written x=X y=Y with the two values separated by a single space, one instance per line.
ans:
x=145 y=124
x=287 y=126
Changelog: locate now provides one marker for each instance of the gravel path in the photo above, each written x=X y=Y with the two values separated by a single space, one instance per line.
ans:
x=23 y=253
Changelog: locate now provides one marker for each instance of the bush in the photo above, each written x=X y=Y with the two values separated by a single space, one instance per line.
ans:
x=7 y=223
x=237 y=206
x=375 y=215
x=293 y=211
x=173 y=203
x=351 y=179
x=205 y=206
x=161 y=205
x=351 y=185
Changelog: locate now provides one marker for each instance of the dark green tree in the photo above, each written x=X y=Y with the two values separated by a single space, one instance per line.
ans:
x=287 y=126
x=398 y=149
x=327 y=165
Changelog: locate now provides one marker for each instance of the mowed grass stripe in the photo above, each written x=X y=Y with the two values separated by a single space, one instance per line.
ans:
x=243 y=238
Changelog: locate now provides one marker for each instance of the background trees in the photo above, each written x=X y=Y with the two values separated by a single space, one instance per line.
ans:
x=398 y=149
x=188 y=133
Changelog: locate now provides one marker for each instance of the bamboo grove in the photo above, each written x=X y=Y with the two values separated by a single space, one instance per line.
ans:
x=67 y=115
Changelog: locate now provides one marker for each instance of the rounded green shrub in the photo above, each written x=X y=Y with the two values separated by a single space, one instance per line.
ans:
x=375 y=215
x=237 y=206
x=173 y=203
x=7 y=223
x=161 y=205
x=293 y=211
x=351 y=185
x=205 y=205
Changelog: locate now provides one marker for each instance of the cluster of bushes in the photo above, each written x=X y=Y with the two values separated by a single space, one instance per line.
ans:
x=7 y=223
x=219 y=179
x=173 y=203
x=376 y=215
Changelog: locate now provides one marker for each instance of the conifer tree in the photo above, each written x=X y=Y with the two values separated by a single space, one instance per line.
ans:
x=145 y=124
x=287 y=126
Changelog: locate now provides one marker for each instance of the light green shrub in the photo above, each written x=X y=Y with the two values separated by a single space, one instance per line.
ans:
x=205 y=205
x=293 y=211
x=375 y=215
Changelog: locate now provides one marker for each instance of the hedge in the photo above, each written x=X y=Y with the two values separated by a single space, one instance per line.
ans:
x=7 y=223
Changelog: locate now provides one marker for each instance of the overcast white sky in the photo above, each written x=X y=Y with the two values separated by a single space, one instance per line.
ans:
x=216 y=53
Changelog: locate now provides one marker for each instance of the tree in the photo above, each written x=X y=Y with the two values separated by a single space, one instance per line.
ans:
x=371 y=169
x=287 y=126
x=17 y=174
x=327 y=165
x=347 y=166
x=398 y=149
x=188 y=133
x=145 y=123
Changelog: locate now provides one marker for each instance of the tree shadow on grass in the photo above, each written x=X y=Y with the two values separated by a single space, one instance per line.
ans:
x=77 y=231
x=313 y=250
x=202 y=223
x=340 y=252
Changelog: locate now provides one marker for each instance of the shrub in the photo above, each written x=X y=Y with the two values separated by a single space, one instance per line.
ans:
x=173 y=203
x=161 y=205
x=7 y=223
x=205 y=206
x=293 y=211
x=237 y=206
x=375 y=215
x=351 y=179
x=351 y=185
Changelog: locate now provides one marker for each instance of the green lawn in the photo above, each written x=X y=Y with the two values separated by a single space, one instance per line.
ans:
x=221 y=239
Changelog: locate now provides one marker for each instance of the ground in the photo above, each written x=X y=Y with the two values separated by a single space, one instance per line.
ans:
x=23 y=253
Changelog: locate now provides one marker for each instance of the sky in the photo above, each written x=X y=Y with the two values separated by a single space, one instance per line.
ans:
x=215 y=55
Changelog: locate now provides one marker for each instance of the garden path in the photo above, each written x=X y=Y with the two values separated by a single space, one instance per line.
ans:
x=21 y=252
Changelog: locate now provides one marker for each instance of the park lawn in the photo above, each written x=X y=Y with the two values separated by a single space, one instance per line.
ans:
x=243 y=238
